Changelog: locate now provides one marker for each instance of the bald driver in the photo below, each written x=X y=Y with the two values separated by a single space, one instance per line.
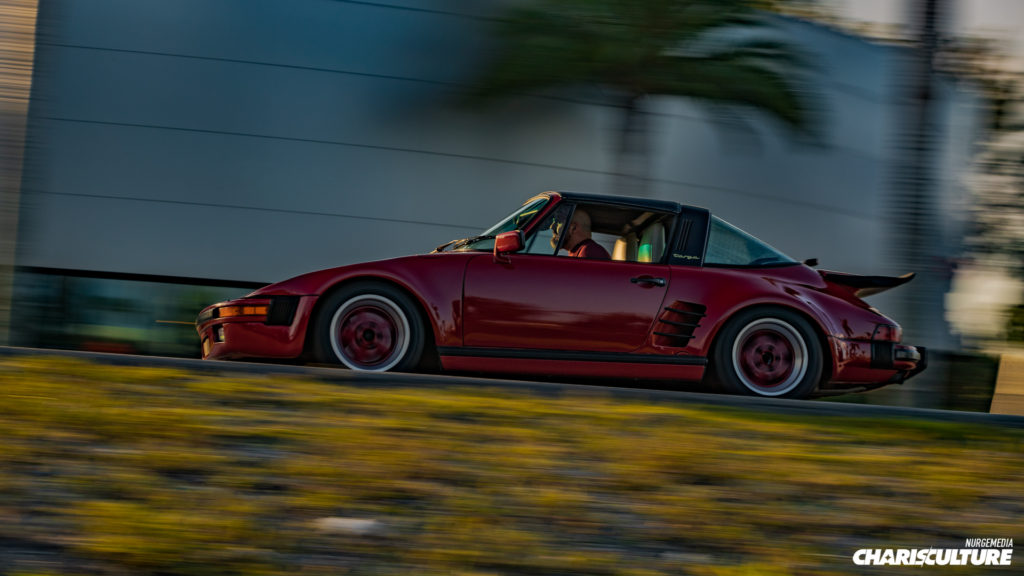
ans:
x=578 y=241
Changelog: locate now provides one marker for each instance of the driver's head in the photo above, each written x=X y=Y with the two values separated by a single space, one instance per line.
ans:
x=579 y=228
x=575 y=231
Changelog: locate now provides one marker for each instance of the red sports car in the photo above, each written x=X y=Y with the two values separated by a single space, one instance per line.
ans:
x=575 y=285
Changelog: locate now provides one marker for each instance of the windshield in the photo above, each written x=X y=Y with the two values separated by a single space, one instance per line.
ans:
x=514 y=221
x=730 y=246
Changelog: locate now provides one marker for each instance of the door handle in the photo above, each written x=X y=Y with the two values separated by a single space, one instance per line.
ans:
x=648 y=280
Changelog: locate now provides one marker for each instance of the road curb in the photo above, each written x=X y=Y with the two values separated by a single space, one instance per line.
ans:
x=810 y=408
x=1008 y=397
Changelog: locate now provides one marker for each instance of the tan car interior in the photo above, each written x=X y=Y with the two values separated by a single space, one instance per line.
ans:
x=648 y=247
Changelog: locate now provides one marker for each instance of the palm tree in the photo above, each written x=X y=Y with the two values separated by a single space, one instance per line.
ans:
x=704 y=49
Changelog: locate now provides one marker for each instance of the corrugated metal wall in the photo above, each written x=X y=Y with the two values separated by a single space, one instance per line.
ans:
x=17 y=51
x=257 y=139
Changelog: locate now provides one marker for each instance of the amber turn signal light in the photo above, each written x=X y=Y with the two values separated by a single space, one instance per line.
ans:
x=230 y=311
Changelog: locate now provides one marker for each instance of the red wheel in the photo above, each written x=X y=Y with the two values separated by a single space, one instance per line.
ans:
x=369 y=332
x=370 y=327
x=769 y=357
x=767 y=352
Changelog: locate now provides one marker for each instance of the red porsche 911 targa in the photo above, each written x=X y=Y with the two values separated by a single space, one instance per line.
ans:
x=659 y=291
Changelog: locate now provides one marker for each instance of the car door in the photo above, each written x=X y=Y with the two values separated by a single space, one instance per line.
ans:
x=544 y=302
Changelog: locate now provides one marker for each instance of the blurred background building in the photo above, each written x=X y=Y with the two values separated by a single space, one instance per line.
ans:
x=180 y=152
x=17 y=47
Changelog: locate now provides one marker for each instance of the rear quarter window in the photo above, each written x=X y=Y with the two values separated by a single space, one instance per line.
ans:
x=730 y=246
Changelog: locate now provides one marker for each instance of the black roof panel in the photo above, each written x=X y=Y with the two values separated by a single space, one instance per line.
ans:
x=643 y=203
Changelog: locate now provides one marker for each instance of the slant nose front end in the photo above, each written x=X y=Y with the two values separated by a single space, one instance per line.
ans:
x=261 y=326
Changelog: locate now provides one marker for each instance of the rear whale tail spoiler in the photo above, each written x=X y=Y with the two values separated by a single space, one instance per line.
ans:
x=863 y=286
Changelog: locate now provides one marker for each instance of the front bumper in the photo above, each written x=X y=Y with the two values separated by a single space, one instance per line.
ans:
x=259 y=327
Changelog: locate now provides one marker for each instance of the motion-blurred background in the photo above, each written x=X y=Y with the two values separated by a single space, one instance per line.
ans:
x=161 y=155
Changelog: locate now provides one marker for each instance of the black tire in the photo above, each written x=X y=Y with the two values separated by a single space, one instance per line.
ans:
x=768 y=352
x=370 y=327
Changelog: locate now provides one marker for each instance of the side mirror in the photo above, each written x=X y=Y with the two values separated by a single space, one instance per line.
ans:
x=507 y=243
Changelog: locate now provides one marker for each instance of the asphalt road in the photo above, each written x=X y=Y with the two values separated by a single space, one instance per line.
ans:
x=816 y=408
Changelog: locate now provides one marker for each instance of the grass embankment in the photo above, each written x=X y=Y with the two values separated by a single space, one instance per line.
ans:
x=121 y=470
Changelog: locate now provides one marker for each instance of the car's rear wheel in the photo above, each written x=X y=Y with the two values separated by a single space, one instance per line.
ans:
x=370 y=327
x=769 y=352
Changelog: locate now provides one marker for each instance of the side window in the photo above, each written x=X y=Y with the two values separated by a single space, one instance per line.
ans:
x=627 y=234
x=545 y=239
x=725 y=246
x=586 y=232
x=730 y=246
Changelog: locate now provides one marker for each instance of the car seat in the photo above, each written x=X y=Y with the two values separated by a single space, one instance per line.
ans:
x=652 y=243
x=625 y=248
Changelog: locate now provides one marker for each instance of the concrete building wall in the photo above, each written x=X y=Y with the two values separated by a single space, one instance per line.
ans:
x=17 y=46
x=286 y=135
x=251 y=140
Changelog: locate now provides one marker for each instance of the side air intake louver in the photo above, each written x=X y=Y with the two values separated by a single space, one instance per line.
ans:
x=677 y=323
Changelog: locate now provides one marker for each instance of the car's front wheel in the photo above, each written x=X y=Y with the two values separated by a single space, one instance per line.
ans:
x=370 y=327
x=771 y=352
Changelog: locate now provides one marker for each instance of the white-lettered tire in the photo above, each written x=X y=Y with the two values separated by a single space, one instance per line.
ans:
x=770 y=352
x=371 y=327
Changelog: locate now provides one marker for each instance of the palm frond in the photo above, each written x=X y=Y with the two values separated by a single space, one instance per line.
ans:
x=739 y=80
x=718 y=51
